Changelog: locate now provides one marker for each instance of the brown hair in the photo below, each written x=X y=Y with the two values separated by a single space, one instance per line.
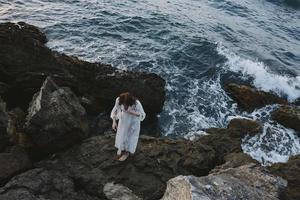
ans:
x=127 y=98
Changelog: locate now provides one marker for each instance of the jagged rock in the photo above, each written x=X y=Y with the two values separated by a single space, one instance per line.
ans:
x=288 y=116
x=178 y=188
x=250 y=99
x=55 y=118
x=119 y=192
x=248 y=182
x=234 y=160
x=241 y=127
x=13 y=162
x=3 y=126
x=15 y=128
x=228 y=140
x=291 y=172
x=38 y=184
x=26 y=62
x=93 y=164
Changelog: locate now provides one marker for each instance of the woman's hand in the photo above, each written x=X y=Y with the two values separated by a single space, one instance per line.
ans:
x=114 y=125
x=132 y=113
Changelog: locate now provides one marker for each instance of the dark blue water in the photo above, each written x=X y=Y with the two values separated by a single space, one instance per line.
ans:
x=195 y=45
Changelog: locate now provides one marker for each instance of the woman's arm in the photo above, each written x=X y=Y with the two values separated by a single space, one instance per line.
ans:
x=114 y=114
x=139 y=111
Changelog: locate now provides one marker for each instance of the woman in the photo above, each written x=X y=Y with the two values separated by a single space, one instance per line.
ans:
x=129 y=113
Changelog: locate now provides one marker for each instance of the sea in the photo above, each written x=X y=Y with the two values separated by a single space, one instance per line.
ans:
x=196 y=46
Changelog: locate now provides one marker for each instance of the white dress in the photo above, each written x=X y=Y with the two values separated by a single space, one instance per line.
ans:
x=128 y=126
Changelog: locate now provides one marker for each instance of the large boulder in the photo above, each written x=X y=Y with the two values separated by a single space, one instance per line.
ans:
x=249 y=99
x=288 y=116
x=13 y=162
x=26 y=62
x=55 y=119
x=248 y=182
x=291 y=172
x=3 y=125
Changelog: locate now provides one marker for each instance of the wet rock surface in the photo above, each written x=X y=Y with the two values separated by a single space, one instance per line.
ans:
x=26 y=62
x=288 y=116
x=249 y=99
x=245 y=182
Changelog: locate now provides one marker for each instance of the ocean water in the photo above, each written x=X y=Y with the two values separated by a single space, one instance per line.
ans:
x=195 y=45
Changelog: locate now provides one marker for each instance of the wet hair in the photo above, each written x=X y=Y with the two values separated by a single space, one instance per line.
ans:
x=127 y=98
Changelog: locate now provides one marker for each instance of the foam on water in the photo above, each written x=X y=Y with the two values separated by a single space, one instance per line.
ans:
x=202 y=105
x=263 y=79
x=275 y=144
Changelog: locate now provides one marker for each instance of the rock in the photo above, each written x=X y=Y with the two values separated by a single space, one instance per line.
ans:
x=288 y=116
x=241 y=127
x=37 y=184
x=228 y=140
x=3 y=126
x=26 y=62
x=15 y=128
x=157 y=160
x=12 y=163
x=178 y=188
x=100 y=124
x=291 y=172
x=233 y=160
x=56 y=119
x=119 y=192
x=245 y=182
x=250 y=99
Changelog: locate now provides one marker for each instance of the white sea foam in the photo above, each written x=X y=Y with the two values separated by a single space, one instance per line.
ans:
x=194 y=135
x=263 y=79
x=203 y=105
x=275 y=144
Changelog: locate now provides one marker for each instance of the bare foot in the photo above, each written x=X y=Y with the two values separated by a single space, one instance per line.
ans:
x=124 y=157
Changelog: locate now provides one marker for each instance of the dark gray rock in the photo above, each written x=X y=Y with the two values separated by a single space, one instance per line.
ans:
x=55 y=119
x=37 y=184
x=13 y=162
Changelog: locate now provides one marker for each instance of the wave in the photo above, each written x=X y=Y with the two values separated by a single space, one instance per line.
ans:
x=263 y=79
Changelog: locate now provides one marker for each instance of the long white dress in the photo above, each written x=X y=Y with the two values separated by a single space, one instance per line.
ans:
x=128 y=126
